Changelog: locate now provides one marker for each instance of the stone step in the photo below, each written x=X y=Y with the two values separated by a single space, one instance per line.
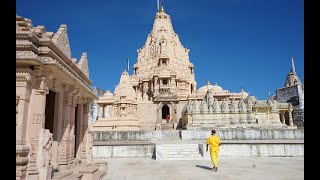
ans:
x=180 y=148
x=183 y=158
x=101 y=174
x=178 y=152
x=181 y=152
x=61 y=175
x=76 y=176
x=178 y=145
x=171 y=152
x=181 y=155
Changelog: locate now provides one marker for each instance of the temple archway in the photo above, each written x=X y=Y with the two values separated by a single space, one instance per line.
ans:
x=165 y=111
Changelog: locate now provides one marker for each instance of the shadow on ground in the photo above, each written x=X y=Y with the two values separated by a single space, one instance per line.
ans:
x=204 y=167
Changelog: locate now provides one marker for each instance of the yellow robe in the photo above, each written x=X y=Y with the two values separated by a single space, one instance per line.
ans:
x=214 y=142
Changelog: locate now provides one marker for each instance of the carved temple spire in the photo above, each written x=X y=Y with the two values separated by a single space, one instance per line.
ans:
x=83 y=64
x=292 y=64
x=292 y=78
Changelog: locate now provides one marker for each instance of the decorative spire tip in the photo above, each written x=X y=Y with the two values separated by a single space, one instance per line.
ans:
x=162 y=9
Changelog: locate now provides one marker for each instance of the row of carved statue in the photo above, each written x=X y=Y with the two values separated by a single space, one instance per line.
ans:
x=212 y=105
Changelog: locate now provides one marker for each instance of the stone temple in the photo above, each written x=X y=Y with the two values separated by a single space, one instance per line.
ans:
x=293 y=92
x=67 y=130
x=161 y=93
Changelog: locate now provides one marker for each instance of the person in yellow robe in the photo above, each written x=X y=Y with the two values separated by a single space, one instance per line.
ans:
x=215 y=143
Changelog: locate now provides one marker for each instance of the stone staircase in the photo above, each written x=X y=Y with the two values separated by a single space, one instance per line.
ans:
x=178 y=152
x=83 y=172
x=167 y=126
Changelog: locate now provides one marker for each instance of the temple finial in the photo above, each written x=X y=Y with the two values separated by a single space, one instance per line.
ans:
x=292 y=64
x=162 y=9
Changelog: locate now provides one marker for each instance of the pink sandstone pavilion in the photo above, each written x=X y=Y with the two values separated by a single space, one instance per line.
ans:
x=52 y=96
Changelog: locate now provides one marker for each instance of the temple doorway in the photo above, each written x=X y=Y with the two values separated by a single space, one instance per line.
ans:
x=49 y=113
x=165 y=111
x=286 y=118
x=76 y=130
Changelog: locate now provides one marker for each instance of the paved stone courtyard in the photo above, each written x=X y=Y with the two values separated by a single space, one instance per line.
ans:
x=252 y=168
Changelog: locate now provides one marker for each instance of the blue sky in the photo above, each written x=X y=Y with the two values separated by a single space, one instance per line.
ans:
x=234 y=43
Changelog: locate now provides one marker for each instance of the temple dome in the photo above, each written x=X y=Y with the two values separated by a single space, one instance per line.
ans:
x=216 y=89
x=204 y=89
x=244 y=94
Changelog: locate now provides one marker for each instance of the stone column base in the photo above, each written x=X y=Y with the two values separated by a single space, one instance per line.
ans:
x=21 y=161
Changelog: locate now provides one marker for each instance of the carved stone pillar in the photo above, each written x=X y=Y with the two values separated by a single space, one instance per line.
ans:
x=79 y=130
x=36 y=122
x=282 y=118
x=84 y=148
x=173 y=85
x=73 y=105
x=64 y=144
x=100 y=111
x=156 y=85
x=290 y=118
x=24 y=79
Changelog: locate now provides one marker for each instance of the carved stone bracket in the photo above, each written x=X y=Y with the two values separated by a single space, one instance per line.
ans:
x=43 y=87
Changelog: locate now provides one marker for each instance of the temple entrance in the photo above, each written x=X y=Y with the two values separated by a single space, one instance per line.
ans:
x=286 y=118
x=165 y=112
x=76 y=130
x=49 y=113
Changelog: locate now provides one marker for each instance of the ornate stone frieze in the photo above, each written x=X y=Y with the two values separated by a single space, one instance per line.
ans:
x=21 y=141
x=25 y=55
x=38 y=118
x=25 y=76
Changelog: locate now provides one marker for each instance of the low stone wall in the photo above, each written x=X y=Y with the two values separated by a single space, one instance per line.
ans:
x=127 y=136
x=235 y=142
x=244 y=134
x=257 y=150
x=101 y=151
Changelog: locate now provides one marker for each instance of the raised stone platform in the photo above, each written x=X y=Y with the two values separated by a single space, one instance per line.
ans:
x=235 y=143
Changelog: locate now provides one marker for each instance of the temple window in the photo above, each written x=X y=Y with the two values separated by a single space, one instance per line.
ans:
x=165 y=82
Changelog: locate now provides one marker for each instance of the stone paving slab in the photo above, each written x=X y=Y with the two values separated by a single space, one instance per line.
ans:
x=246 y=168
